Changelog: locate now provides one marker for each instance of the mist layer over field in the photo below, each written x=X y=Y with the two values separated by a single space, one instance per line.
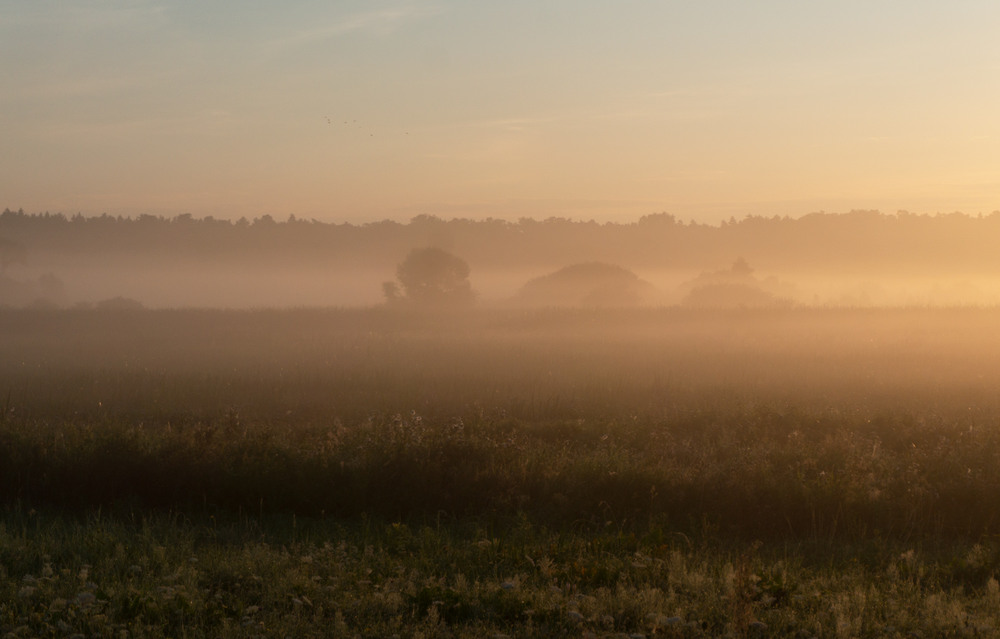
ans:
x=348 y=364
x=859 y=259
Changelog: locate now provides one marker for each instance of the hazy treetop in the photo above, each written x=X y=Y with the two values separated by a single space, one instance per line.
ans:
x=820 y=241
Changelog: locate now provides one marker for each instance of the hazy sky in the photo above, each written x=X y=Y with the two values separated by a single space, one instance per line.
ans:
x=355 y=110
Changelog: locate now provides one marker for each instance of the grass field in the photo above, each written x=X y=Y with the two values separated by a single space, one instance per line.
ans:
x=828 y=473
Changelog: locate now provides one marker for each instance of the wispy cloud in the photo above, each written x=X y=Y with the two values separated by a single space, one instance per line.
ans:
x=512 y=124
x=647 y=110
x=81 y=17
x=37 y=89
x=382 y=22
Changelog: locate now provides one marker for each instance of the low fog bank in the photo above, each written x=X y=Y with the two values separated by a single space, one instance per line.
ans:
x=189 y=284
x=863 y=290
x=859 y=259
x=223 y=286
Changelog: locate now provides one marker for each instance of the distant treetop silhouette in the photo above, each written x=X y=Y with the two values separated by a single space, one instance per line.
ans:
x=431 y=277
x=590 y=284
x=735 y=287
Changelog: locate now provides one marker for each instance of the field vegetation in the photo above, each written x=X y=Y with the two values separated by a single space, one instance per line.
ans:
x=381 y=472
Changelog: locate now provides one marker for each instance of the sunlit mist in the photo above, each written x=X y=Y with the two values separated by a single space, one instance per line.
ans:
x=857 y=259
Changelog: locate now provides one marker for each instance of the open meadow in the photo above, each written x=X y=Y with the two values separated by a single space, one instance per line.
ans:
x=384 y=472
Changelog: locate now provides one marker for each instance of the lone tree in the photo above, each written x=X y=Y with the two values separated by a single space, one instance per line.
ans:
x=431 y=277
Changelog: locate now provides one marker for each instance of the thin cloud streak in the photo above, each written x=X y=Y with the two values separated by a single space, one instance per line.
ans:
x=79 y=87
x=375 y=22
x=206 y=122
x=642 y=111
x=82 y=17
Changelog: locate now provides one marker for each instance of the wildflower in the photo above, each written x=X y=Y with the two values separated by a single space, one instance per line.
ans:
x=85 y=598
x=758 y=627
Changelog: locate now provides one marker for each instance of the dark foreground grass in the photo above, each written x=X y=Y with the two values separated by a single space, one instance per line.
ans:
x=170 y=576
x=761 y=523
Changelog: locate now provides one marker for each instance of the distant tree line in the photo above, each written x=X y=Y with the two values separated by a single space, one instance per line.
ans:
x=816 y=242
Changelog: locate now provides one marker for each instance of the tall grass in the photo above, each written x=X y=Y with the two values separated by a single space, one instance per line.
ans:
x=760 y=472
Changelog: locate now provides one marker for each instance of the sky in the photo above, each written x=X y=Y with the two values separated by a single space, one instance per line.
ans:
x=355 y=111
